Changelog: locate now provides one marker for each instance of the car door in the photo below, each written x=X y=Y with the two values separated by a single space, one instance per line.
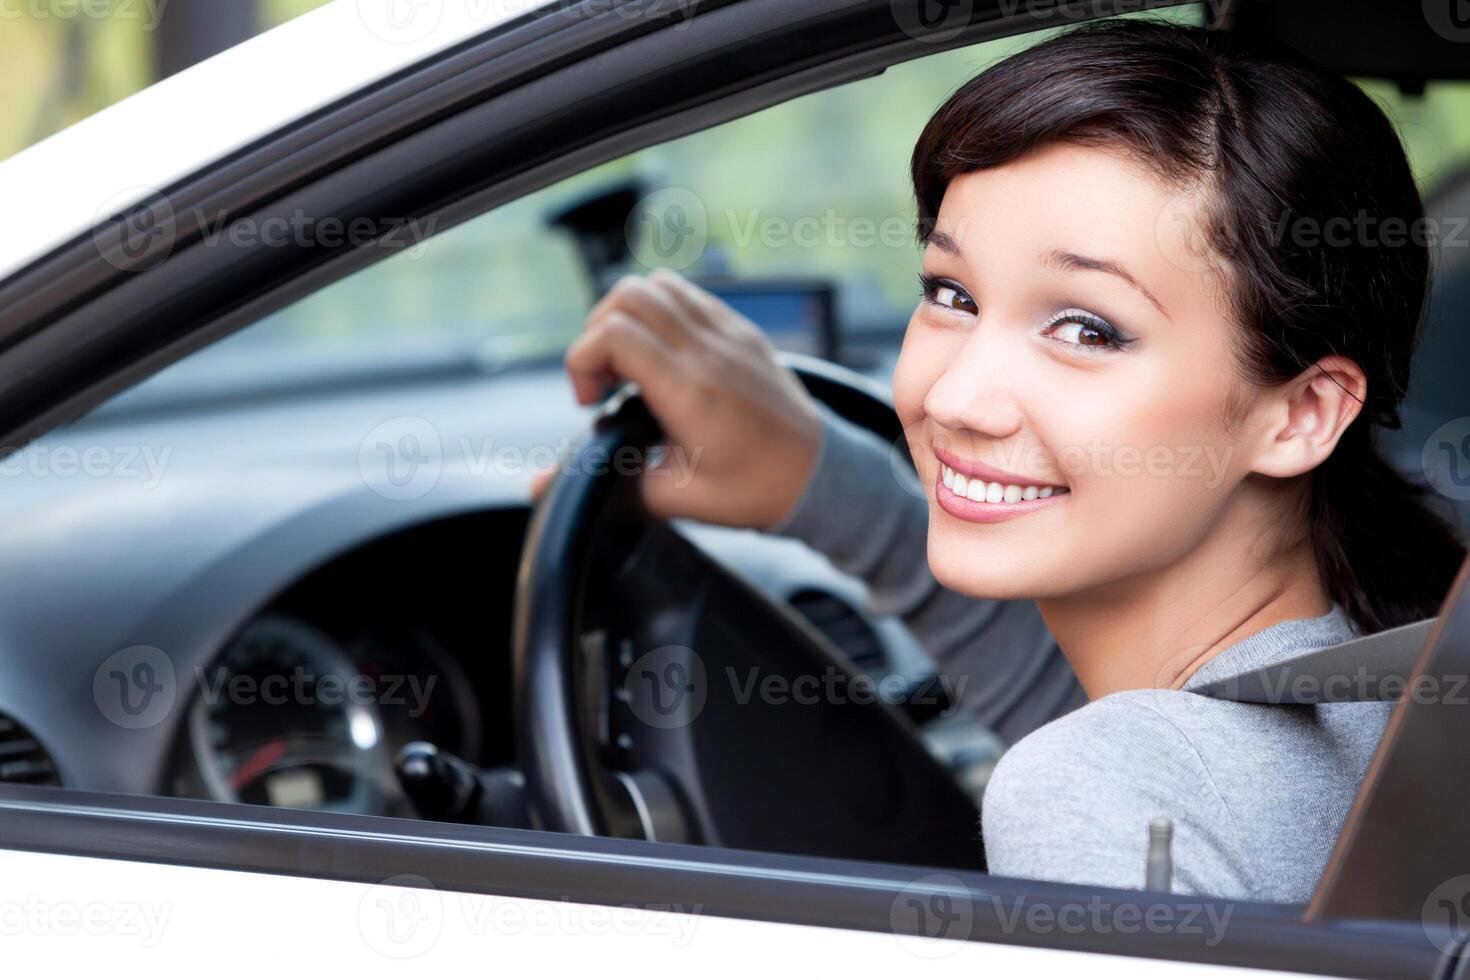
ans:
x=238 y=887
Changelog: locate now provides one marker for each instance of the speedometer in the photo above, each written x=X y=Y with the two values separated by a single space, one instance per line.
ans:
x=283 y=718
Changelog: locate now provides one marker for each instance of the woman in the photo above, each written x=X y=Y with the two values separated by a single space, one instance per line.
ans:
x=1140 y=392
x=1117 y=262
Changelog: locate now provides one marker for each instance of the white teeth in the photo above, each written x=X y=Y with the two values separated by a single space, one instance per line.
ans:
x=994 y=493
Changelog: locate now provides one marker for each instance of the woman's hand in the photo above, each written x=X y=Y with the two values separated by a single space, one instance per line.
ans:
x=742 y=435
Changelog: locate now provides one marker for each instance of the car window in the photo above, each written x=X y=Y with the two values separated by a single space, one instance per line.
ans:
x=810 y=196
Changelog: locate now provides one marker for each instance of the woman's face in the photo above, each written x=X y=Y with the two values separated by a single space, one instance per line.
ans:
x=1065 y=383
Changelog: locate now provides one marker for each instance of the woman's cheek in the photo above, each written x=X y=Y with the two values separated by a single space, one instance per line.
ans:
x=920 y=362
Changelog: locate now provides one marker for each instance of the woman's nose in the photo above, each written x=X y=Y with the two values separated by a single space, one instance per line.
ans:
x=977 y=390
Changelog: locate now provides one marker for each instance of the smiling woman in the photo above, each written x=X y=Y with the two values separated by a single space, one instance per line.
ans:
x=1111 y=287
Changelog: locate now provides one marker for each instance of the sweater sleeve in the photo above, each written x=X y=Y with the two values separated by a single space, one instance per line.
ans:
x=864 y=509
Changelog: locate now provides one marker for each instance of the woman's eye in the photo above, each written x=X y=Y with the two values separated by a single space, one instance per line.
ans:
x=1081 y=329
x=941 y=292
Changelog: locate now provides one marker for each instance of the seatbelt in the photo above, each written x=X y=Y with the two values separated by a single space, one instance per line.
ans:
x=1367 y=668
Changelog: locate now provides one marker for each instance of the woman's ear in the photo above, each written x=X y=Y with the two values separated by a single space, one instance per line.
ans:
x=1304 y=418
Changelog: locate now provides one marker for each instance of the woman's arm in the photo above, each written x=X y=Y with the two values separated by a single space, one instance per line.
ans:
x=864 y=509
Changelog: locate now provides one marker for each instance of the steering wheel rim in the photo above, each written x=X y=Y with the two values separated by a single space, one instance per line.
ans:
x=562 y=730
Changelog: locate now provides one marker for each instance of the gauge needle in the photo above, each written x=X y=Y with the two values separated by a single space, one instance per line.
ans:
x=260 y=760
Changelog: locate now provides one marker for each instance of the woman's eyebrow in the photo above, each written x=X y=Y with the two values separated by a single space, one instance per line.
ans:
x=943 y=242
x=1067 y=261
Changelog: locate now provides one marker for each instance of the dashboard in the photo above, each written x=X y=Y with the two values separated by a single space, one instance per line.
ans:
x=308 y=703
x=303 y=620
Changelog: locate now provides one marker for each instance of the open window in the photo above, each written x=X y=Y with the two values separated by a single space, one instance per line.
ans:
x=328 y=499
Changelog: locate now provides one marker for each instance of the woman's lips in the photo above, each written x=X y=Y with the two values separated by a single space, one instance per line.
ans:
x=1001 y=496
x=985 y=512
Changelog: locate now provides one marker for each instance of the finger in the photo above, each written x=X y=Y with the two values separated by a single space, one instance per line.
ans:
x=617 y=348
x=645 y=301
x=703 y=305
x=681 y=292
x=635 y=295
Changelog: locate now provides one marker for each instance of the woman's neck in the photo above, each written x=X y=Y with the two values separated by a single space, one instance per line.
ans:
x=1154 y=630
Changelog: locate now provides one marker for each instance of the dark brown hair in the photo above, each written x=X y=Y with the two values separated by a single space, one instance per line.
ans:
x=1278 y=144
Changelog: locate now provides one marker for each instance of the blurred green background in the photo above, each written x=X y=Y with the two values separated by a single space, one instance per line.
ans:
x=502 y=280
x=63 y=65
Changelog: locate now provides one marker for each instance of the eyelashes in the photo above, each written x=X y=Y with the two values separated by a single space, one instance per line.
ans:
x=945 y=293
x=1088 y=329
x=1074 y=327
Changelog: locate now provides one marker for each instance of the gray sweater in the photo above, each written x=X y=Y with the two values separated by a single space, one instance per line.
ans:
x=1257 y=793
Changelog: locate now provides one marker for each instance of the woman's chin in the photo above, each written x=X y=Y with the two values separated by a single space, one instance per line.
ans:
x=983 y=576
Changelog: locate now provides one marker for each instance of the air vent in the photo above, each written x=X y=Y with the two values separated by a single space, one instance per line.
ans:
x=22 y=760
x=844 y=626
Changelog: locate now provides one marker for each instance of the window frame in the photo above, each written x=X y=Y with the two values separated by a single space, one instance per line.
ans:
x=528 y=104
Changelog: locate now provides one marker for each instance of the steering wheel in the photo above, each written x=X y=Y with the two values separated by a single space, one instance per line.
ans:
x=658 y=695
